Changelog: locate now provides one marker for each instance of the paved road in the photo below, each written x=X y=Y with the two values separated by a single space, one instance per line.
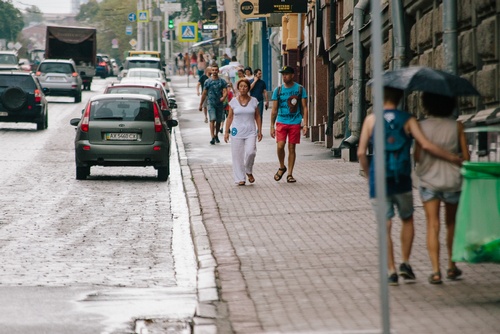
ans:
x=303 y=258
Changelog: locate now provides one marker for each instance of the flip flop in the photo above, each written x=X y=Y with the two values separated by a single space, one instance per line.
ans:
x=290 y=179
x=251 y=179
x=278 y=176
x=241 y=183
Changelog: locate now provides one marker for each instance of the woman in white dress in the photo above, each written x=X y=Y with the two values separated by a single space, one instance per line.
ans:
x=244 y=125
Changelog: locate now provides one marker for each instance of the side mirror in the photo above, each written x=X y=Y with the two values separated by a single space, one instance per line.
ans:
x=74 y=121
x=46 y=91
x=169 y=80
x=172 y=122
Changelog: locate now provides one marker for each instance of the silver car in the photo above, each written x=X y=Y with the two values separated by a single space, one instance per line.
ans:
x=61 y=77
x=122 y=130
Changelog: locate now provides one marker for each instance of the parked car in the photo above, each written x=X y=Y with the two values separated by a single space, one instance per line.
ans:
x=61 y=77
x=122 y=130
x=148 y=87
x=9 y=60
x=148 y=74
x=22 y=99
x=139 y=62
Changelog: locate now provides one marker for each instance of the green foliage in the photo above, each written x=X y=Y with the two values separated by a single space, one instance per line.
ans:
x=11 y=21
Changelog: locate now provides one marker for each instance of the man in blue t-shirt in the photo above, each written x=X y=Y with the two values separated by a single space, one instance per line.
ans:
x=214 y=92
x=289 y=109
x=258 y=90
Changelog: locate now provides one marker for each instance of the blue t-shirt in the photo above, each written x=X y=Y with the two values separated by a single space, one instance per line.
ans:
x=403 y=184
x=289 y=104
x=214 y=90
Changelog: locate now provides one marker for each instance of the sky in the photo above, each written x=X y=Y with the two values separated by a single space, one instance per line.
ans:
x=46 y=6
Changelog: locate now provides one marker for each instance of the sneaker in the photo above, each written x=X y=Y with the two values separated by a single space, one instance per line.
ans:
x=221 y=130
x=393 y=279
x=406 y=272
x=212 y=142
x=217 y=140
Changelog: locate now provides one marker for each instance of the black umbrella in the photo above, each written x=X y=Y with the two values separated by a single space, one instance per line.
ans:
x=426 y=79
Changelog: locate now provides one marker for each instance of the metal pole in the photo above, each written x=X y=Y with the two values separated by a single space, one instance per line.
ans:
x=150 y=25
x=139 y=26
x=166 y=29
x=376 y=30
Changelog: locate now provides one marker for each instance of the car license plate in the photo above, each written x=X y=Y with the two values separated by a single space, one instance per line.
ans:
x=4 y=113
x=122 y=136
x=55 y=79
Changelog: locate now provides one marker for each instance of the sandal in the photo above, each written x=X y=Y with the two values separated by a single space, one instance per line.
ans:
x=251 y=179
x=435 y=278
x=453 y=273
x=241 y=183
x=278 y=176
x=290 y=179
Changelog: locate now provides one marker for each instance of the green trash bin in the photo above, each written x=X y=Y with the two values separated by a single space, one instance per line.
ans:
x=477 y=230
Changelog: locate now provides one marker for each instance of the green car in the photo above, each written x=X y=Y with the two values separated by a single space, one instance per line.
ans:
x=122 y=130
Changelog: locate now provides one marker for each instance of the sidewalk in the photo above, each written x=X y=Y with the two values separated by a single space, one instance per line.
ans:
x=303 y=257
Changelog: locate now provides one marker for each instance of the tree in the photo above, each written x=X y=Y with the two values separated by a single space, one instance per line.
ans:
x=11 y=21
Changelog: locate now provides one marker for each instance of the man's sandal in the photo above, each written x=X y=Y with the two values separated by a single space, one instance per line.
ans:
x=279 y=175
x=435 y=278
x=453 y=273
x=290 y=179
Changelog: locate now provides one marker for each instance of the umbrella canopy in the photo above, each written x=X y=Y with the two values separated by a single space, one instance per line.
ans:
x=230 y=68
x=426 y=79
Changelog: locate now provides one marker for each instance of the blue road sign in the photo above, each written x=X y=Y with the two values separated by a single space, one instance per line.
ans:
x=132 y=17
x=128 y=30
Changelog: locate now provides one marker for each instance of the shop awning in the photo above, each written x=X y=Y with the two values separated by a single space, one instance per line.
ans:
x=207 y=42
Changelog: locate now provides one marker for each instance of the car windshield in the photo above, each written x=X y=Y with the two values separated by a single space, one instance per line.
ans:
x=8 y=59
x=143 y=74
x=23 y=81
x=127 y=110
x=142 y=64
x=135 y=90
x=56 y=68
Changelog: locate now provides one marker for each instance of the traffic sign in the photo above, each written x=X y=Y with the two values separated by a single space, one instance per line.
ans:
x=133 y=42
x=142 y=16
x=188 y=32
x=132 y=17
x=128 y=30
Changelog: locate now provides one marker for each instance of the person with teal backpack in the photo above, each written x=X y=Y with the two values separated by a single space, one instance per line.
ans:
x=400 y=129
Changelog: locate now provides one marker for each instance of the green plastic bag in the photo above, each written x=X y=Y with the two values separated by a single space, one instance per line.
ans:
x=477 y=231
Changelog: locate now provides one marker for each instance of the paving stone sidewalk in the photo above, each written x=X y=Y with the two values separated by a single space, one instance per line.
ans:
x=303 y=257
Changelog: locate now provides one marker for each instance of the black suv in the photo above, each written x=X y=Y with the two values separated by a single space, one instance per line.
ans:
x=22 y=99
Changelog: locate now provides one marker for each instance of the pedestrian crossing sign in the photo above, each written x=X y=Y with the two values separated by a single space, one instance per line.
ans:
x=142 y=16
x=188 y=32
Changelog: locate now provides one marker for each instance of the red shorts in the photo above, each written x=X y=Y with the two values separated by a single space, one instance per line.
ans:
x=292 y=131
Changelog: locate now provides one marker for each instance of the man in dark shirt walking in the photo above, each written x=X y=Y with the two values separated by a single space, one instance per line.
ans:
x=258 y=90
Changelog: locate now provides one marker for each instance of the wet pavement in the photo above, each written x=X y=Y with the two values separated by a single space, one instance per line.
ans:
x=303 y=257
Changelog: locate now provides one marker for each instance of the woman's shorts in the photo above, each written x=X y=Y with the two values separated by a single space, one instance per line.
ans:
x=427 y=194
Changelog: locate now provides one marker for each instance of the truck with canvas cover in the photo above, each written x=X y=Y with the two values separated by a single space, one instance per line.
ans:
x=76 y=43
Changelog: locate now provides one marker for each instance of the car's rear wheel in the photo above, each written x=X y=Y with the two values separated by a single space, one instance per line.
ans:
x=44 y=123
x=163 y=173
x=14 y=98
x=82 y=173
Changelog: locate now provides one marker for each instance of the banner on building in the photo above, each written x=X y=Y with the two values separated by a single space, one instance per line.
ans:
x=249 y=9
x=282 y=6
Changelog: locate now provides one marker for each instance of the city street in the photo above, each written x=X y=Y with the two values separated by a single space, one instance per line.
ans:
x=88 y=256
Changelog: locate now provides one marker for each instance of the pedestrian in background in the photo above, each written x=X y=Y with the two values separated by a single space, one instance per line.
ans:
x=245 y=127
x=225 y=60
x=248 y=74
x=202 y=63
x=187 y=63
x=201 y=84
x=193 y=62
x=258 y=90
x=215 y=92
x=399 y=187
x=439 y=180
x=289 y=110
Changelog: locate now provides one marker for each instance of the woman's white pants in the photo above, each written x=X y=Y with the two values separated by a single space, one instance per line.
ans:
x=243 y=152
